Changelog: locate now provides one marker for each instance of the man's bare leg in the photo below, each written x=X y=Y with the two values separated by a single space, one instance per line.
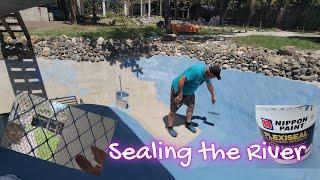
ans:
x=171 y=131
x=189 y=118
x=171 y=118
x=189 y=114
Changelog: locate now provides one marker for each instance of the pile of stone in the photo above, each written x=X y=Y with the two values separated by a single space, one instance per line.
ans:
x=286 y=62
x=84 y=49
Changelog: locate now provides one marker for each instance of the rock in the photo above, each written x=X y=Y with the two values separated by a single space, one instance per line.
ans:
x=209 y=61
x=295 y=66
x=74 y=40
x=63 y=38
x=233 y=47
x=238 y=66
x=178 y=54
x=129 y=42
x=287 y=51
x=76 y=57
x=100 y=41
x=303 y=70
x=244 y=49
x=96 y=59
x=23 y=40
x=302 y=61
x=244 y=69
x=295 y=72
x=34 y=39
x=265 y=67
x=240 y=52
x=289 y=74
x=86 y=58
x=223 y=46
x=102 y=58
x=268 y=72
x=169 y=37
x=225 y=66
x=46 y=52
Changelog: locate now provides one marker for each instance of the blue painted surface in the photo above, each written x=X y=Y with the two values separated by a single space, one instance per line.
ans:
x=233 y=116
x=64 y=74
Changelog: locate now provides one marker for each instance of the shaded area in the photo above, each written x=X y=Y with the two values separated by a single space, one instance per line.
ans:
x=20 y=60
x=27 y=167
x=180 y=120
x=55 y=132
x=139 y=169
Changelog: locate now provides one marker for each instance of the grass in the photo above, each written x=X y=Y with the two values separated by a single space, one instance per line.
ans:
x=43 y=151
x=105 y=32
x=208 y=32
x=273 y=42
x=123 y=29
x=246 y=27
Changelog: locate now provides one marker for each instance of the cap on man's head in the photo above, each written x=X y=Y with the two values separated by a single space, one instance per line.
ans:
x=215 y=70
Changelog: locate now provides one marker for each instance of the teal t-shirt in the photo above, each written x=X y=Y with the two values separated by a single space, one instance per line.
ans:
x=195 y=76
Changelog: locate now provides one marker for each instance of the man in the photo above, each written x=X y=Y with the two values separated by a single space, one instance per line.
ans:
x=183 y=88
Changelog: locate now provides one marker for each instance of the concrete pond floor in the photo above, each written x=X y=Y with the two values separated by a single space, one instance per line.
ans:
x=231 y=121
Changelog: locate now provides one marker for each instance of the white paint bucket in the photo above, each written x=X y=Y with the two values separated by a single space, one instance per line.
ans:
x=287 y=126
x=122 y=99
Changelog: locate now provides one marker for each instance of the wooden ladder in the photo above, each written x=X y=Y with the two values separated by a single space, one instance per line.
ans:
x=20 y=59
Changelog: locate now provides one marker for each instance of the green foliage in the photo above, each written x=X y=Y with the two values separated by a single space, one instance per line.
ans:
x=124 y=33
x=116 y=6
x=44 y=150
x=94 y=32
x=110 y=14
x=312 y=23
x=273 y=42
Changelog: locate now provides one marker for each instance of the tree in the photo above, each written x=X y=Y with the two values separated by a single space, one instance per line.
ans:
x=251 y=4
x=94 y=12
x=167 y=15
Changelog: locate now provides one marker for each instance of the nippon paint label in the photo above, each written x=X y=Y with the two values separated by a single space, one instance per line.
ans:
x=287 y=126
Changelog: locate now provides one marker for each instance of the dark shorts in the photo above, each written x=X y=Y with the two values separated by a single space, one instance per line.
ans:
x=188 y=100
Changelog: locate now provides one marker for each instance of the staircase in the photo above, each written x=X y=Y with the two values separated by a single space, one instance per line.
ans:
x=19 y=56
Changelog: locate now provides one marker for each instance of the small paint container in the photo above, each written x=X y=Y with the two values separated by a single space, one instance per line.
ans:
x=122 y=100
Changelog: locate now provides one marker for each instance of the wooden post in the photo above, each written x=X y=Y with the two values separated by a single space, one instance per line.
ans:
x=94 y=12
x=73 y=11
x=104 y=7
x=167 y=15
x=149 y=9
x=141 y=8
x=125 y=8
x=160 y=10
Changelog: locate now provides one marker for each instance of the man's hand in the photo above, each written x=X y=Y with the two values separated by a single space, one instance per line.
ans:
x=178 y=99
x=213 y=98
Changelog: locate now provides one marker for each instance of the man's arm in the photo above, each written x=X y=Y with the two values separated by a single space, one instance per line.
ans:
x=211 y=90
x=182 y=80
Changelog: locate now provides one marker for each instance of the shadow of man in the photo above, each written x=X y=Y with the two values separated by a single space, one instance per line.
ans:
x=181 y=120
